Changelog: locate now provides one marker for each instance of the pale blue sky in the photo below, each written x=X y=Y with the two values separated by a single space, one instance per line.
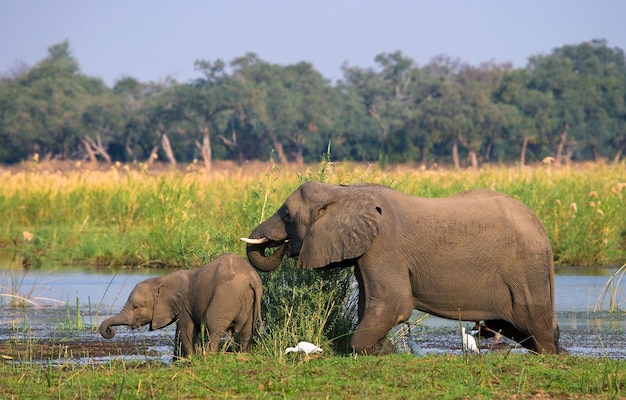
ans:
x=152 y=39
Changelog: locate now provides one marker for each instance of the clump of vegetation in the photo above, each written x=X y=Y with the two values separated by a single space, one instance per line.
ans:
x=311 y=305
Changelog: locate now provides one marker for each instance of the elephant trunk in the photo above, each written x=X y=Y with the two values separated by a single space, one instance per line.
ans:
x=262 y=262
x=270 y=234
x=107 y=329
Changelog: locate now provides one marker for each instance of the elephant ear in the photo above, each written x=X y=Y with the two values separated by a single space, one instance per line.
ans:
x=343 y=230
x=169 y=299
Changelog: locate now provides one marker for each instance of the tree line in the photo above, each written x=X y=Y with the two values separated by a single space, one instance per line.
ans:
x=569 y=105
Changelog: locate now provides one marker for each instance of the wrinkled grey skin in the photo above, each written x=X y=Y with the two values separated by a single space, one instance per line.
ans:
x=476 y=256
x=225 y=295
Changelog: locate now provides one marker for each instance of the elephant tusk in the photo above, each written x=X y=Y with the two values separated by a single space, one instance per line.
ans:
x=254 y=241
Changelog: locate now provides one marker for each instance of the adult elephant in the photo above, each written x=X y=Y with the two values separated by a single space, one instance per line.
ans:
x=224 y=296
x=477 y=255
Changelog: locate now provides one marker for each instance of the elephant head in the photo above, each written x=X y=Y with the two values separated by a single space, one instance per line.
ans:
x=319 y=223
x=152 y=302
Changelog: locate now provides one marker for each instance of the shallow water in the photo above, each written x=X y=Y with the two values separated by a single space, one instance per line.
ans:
x=63 y=299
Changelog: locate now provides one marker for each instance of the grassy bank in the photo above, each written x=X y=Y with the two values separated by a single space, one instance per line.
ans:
x=294 y=376
x=127 y=215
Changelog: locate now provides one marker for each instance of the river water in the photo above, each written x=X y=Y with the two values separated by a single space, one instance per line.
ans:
x=57 y=301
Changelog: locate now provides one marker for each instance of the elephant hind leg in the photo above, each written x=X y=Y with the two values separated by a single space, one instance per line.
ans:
x=215 y=332
x=245 y=331
x=539 y=342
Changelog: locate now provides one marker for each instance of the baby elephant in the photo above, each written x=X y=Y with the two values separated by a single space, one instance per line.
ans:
x=224 y=295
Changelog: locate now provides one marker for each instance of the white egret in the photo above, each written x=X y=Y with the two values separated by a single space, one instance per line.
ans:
x=304 y=347
x=469 y=343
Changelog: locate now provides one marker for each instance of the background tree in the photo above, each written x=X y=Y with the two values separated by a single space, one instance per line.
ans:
x=130 y=95
x=534 y=119
x=48 y=104
x=386 y=95
x=284 y=105
x=570 y=103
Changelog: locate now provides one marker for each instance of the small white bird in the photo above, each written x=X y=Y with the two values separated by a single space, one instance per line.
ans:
x=469 y=343
x=304 y=347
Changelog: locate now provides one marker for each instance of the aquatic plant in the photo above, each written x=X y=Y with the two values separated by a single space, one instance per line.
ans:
x=611 y=289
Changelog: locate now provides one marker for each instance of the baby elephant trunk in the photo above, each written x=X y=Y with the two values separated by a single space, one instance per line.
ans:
x=107 y=329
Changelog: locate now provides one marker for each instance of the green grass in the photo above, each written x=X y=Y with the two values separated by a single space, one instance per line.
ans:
x=296 y=376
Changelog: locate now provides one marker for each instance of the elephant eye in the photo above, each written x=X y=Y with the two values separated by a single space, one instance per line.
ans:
x=287 y=217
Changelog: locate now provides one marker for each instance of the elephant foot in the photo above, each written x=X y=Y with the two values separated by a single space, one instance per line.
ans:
x=382 y=347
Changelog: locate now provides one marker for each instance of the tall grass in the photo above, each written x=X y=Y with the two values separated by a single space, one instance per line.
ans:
x=126 y=216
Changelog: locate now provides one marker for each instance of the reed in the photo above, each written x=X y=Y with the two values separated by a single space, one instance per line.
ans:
x=611 y=289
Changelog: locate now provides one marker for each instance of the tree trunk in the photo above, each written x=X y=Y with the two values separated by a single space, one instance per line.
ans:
x=129 y=149
x=373 y=112
x=618 y=153
x=455 y=154
x=594 y=152
x=90 y=152
x=422 y=157
x=96 y=148
x=488 y=151
x=522 y=156
x=167 y=148
x=233 y=144
x=562 y=139
x=153 y=155
x=473 y=159
x=619 y=150
x=298 y=142
x=206 y=147
x=280 y=151
x=472 y=155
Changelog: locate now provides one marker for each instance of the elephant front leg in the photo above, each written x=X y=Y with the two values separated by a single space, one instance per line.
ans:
x=184 y=343
x=380 y=309
x=370 y=337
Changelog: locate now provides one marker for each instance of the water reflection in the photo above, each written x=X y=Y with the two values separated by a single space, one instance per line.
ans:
x=90 y=287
